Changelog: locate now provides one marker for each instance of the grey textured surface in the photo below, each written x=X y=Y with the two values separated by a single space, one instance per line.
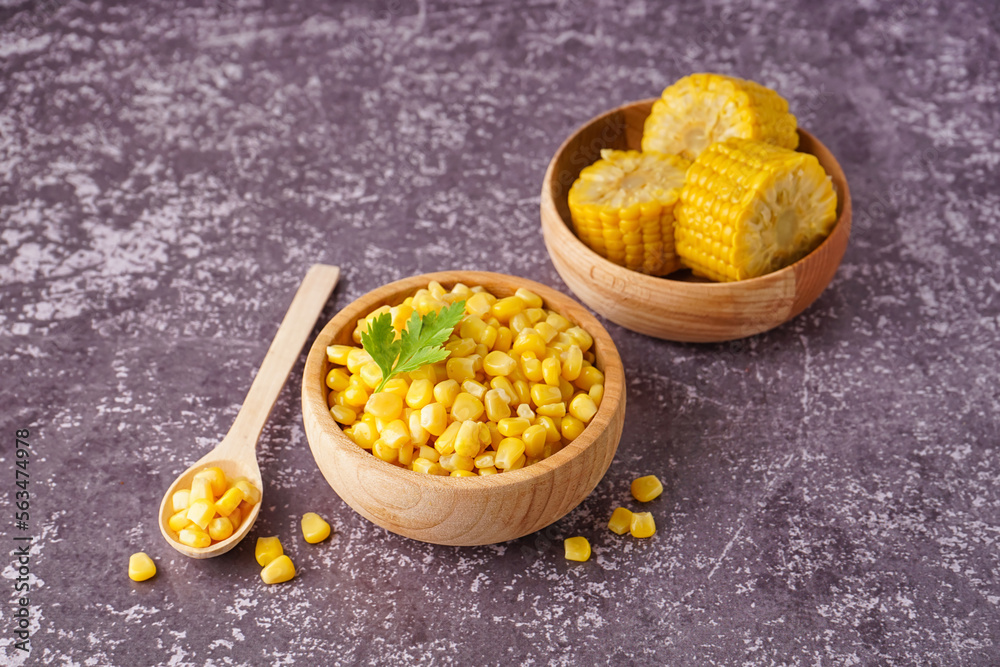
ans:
x=170 y=170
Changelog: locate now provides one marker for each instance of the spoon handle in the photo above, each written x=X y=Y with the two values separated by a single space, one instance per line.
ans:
x=306 y=306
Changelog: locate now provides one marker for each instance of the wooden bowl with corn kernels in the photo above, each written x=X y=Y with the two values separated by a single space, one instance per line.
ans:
x=462 y=510
x=679 y=307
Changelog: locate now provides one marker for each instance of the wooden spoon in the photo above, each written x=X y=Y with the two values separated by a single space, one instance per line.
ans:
x=236 y=454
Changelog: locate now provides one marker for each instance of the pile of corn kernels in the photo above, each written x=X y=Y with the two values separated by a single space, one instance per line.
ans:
x=518 y=385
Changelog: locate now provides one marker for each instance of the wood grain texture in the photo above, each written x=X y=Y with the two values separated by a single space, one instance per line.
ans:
x=236 y=454
x=462 y=510
x=679 y=308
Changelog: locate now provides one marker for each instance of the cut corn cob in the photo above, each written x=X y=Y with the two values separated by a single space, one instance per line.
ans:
x=750 y=208
x=702 y=109
x=622 y=207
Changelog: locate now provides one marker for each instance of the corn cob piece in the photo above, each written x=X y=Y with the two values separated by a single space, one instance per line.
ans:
x=749 y=208
x=702 y=109
x=622 y=207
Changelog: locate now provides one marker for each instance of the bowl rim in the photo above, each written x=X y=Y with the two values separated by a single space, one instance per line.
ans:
x=659 y=282
x=313 y=385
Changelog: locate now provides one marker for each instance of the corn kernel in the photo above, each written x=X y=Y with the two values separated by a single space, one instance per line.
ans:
x=572 y=363
x=519 y=463
x=460 y=369
x=509 y=451
x=543 y=394
x=513 y=426
x=532 y=367
x=467 y=439
x=642 y=525
x=434 y=417
x=314 y=528
x=506 y=389
x=646 y=488
x=337 y=354
x=474 y=388
x=429 y=467
x=250 y=492
x=140 y=567
x=384 y=405
x=506 y=308
x=337 y=379
x=485 y=460
x=580 y=337
x=596 y=394
x=201 y=489
x=456 y=461
x=404 y=455
x=589 y=376
x=194 y=537
x=397 y=386
x=181 y=499
x=566 y=389
x=236 y=517
x=445 y=443
x=479 y=304
x=490 y=470
x=496 y=407
x=201 y=512
x=220 y=528
x=364 y=434
x=534 y=441
x=343 y=415
x=278 y=571
x=462 y=347
x=505 y=338
x=428 y=453
x=466 y=406
x=356 y=359
x=524 y=411
x=499 y=363
x=583 y=408
x=267 y=549
x=178 y=521
x=620 y=521
x=571 y=427
x=472 y=327
x=462 y=473
x=528 y=340
x=371 y=375
x=519 y=322
x=577 y=548
x=355 y=396
x=446 y=392
x=546 y=331
x=552 y=410
x=418 y=434
x=552 y=433
x=420 y=393
x=385 y=452
x=229 y=501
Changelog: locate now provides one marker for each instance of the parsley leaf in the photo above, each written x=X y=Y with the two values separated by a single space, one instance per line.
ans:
x=421 y=342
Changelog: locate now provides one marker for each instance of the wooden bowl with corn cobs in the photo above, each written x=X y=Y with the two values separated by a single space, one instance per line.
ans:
x=462 y=510
x=679 y=307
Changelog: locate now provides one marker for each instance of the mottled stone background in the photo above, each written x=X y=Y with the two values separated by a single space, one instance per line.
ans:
x=170 y=169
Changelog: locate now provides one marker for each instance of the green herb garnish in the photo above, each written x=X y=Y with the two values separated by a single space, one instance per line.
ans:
x=421 y=342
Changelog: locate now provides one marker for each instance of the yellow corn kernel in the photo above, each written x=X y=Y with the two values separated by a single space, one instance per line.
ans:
x=425 y=372
x=519 y=322
x=446 y=441
x=201 y=512
x=513 y=426
x=552 y=409
x=572 y=363
x=401 y=315
x=488 y=338
x=371 y=375
x=534 y=441
x=642 y=525
x=535 y=315
x=434 y=417
x=529 y=340
x=418 y=434
x=429 y=453
x=499 y=363
x=250 y=492
x=543 y=394
x=472 y=327
x=525 y=412
x=523 y=392
x=531 y=366
x=479 y=304
x=461 y=347
x=620 y=521
x=528 y=298
x=460 y=369
x=489 y=470
x=278 y=571
x=467 y=439
x=404 y=455
x=397 y=386
x=580 y=337
x=519 y=463
x=546 y=331
x=462 y=473
x=495 y=435
x=596 y=394
x=337 y=379
x=577 y=548
x=384 y=451
x=566 y=389
x=496 y=407
x=465 y=407
x=552 y=434
x=267 y=549
x=485 y=460
x=140 y=567
x=551 y=371
x=583 y=408
x=229 y=501
x=429 y=467
x=425 y=303
x=589 y=376
x=314 y=528
x=356 y=359
x=220 y=528
x=337 y=354
x=445 y=392
x=181 y=499
x=364 y=434
x=456 y=461
x=194 y=537
x=179 y=521
x=343 y=415
x=355 y=396
x=646 y=488
x=505 y=338
x=506 y=389
x=395 y=434
x=384 y=405
x=506 y=308
x=420 y=393
x=474 y=388
x=201 y=489
x=509 y=451
x=571 y=427
x=236 y=517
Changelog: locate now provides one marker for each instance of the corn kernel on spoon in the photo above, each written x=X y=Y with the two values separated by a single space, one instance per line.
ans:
x=236 y=454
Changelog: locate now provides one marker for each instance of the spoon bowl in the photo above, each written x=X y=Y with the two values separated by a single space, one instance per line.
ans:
x=236 y=454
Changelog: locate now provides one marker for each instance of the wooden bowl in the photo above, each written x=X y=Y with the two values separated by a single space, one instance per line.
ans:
x=462 y=510
x=679 y=307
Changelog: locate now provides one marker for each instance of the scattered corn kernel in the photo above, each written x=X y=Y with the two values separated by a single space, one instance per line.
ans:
x=140 y=567
x=278 y=570
x=577 y=548
x=646 y=488
x=620 y=521
x=642 y=525
x=267 y=549
x=314 y=528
